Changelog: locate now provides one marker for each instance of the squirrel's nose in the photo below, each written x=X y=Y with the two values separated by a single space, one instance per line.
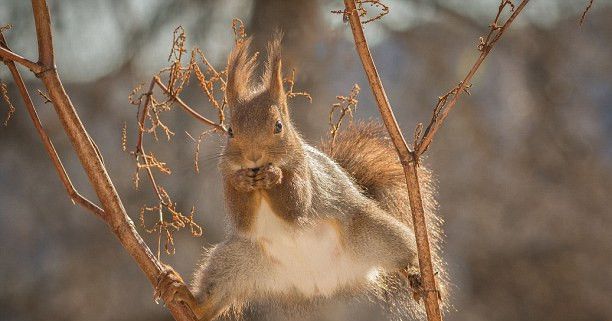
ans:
x=254 y=158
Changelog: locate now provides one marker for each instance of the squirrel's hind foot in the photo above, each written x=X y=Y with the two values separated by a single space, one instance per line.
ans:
x=171 y=288
x=416 y=283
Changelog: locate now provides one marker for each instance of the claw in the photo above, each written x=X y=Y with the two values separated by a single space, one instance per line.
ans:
x=170 y=287
x=415 y=281
x=268 y=176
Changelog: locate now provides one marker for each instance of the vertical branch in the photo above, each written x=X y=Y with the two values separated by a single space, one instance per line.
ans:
x=408 y=161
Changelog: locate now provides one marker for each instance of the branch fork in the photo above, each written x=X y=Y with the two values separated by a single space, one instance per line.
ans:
x=409 y=158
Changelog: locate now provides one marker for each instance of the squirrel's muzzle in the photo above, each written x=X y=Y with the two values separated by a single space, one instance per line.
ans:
x=253 y=159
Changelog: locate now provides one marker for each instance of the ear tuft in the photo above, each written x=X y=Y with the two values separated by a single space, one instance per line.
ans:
x=273 y=76
x=240 y=67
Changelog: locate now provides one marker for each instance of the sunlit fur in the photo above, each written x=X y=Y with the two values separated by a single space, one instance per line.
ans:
x=381 y=177
x=327 y=227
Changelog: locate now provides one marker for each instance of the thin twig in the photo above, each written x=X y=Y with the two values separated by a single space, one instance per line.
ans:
x=290 y=81
x=172 y=80
x=585 y=11
x=7 y=55
x=140 y=152
x=44 y=96
x=239 y=30
x=346 y=105
x=75 y=196
x=363 y=12
x=198 y=143
x=442 y=109
x=150 y=162
x=7 y=100
x=188 y=109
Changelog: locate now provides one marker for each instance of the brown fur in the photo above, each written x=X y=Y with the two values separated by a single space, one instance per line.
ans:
x=254 y=111
x=240 y=73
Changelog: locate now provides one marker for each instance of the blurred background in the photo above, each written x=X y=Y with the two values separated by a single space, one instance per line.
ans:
x=524 y=164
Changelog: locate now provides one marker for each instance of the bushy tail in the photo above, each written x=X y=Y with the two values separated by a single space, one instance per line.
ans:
x=366 y=153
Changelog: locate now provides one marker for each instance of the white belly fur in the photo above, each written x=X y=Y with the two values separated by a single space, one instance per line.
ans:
x=308 y=259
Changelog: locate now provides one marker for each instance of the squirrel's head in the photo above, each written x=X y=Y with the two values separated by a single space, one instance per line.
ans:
x=260 y=130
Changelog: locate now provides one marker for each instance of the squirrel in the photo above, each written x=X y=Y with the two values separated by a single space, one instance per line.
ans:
x=305 y=223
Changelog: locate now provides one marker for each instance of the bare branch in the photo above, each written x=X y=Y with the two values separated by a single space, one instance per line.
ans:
x=150 y=161
x=442 y=109
x=363 y=12
x=239 y=30
x=44 y=96
x=178 y=77
x=585 y=11
x=75 y=196
x=7 y=100
x=346 y=105
x=8 y=55
x=188 y=109
x=290 y=81
x=198 y=143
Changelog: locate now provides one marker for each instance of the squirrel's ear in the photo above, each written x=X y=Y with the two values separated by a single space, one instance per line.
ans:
x=240 y=67
x=273 y=75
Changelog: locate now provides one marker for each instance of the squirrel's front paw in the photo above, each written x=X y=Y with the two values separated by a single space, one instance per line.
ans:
x=268 y=176
x=243 y=180
x=171 y=288
x=249 y=179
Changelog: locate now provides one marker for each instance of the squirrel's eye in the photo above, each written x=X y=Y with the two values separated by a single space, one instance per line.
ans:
x=230 y=132
x=278 y=127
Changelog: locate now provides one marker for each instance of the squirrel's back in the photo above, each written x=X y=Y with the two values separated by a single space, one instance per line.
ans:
x=365 y=151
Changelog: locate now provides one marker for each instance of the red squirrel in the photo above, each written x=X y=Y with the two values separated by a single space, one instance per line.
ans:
x=305 y=222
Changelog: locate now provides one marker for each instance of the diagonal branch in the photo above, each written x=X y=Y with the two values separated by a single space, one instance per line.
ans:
x=442 y=109
x=188 y=109
x=61 y=171
x=7 y=55
x=585 y=11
